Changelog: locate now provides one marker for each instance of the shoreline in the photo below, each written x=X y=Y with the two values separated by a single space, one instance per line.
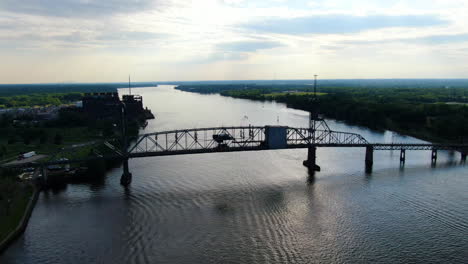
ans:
x=23 y=223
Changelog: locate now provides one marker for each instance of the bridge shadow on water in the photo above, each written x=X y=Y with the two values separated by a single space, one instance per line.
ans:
x=403 y=169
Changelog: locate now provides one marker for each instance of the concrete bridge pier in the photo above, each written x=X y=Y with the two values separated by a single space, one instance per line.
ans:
x=311 y=159
x=45 y=177
x=369 y=158
x=42 y=171
x=463 y=157
x=402 y=156
x=126 y=178
x=434 y=157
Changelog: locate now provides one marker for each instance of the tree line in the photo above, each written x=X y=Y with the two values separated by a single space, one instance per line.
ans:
x=37 y=99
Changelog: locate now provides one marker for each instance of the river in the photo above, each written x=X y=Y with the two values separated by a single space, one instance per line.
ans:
x=254 y=207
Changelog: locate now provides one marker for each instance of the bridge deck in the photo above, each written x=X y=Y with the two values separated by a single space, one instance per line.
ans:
x=377 y=146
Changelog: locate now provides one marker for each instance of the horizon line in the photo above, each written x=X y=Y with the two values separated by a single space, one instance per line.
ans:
x=251 y=80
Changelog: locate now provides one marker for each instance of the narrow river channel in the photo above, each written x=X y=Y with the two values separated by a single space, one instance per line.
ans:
x=255 y=207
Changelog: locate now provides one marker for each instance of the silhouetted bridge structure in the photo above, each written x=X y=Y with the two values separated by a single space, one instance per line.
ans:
x=248 y=138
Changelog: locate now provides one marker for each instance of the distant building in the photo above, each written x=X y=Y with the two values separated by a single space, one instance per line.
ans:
x=109 y=106
x=133 y=104
x=102 y=105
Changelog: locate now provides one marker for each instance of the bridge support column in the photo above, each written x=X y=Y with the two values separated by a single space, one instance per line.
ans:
x=45 y=177
x=463 y=157
x=402 y=156
x=311 y=159
x=434 y=157
x=126 y=178
x=369 y=158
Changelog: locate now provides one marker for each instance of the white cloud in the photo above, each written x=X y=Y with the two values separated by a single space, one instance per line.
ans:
x=207 y=39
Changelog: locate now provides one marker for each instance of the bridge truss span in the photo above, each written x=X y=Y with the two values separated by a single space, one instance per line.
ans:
x=299 y=136
x=242 y=138
x=200 y=139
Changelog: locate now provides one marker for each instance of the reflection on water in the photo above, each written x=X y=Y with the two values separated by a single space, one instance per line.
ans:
x=254 y=207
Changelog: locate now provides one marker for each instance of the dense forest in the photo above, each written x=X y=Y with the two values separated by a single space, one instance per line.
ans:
x=39 y=99
x=22 y=89
x=433 y=113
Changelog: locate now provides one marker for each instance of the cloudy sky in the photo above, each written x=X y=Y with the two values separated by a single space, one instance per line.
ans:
x=164 y=40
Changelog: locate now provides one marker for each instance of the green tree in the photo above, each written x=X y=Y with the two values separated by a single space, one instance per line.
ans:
x=12 y=140
x=42 y=137
x=58 y=139
x=26 y=139
x=3 y=151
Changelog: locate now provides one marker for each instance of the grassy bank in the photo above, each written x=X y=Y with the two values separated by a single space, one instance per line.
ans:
x=14 y=198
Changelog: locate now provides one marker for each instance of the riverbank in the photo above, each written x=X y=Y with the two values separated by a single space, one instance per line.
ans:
x=16 y=214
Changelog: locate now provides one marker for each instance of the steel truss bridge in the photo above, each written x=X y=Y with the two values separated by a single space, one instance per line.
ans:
x=204 y=140
x=241 y=138
x=225 y=139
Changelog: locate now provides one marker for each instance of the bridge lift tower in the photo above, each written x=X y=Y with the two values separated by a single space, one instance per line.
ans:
x=315 y=123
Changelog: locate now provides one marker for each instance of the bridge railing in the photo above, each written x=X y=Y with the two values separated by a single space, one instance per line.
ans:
x=420 y=146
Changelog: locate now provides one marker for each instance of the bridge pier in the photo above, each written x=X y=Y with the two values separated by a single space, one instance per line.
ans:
x=45 y=177
x=463 y=157
x=434 y=157
x=369 y=158
x=311 y=159
x=42 y=171
x=402 y=156
x=126 y=178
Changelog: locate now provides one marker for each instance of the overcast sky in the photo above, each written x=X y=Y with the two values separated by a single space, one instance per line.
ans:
x=164 y=40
